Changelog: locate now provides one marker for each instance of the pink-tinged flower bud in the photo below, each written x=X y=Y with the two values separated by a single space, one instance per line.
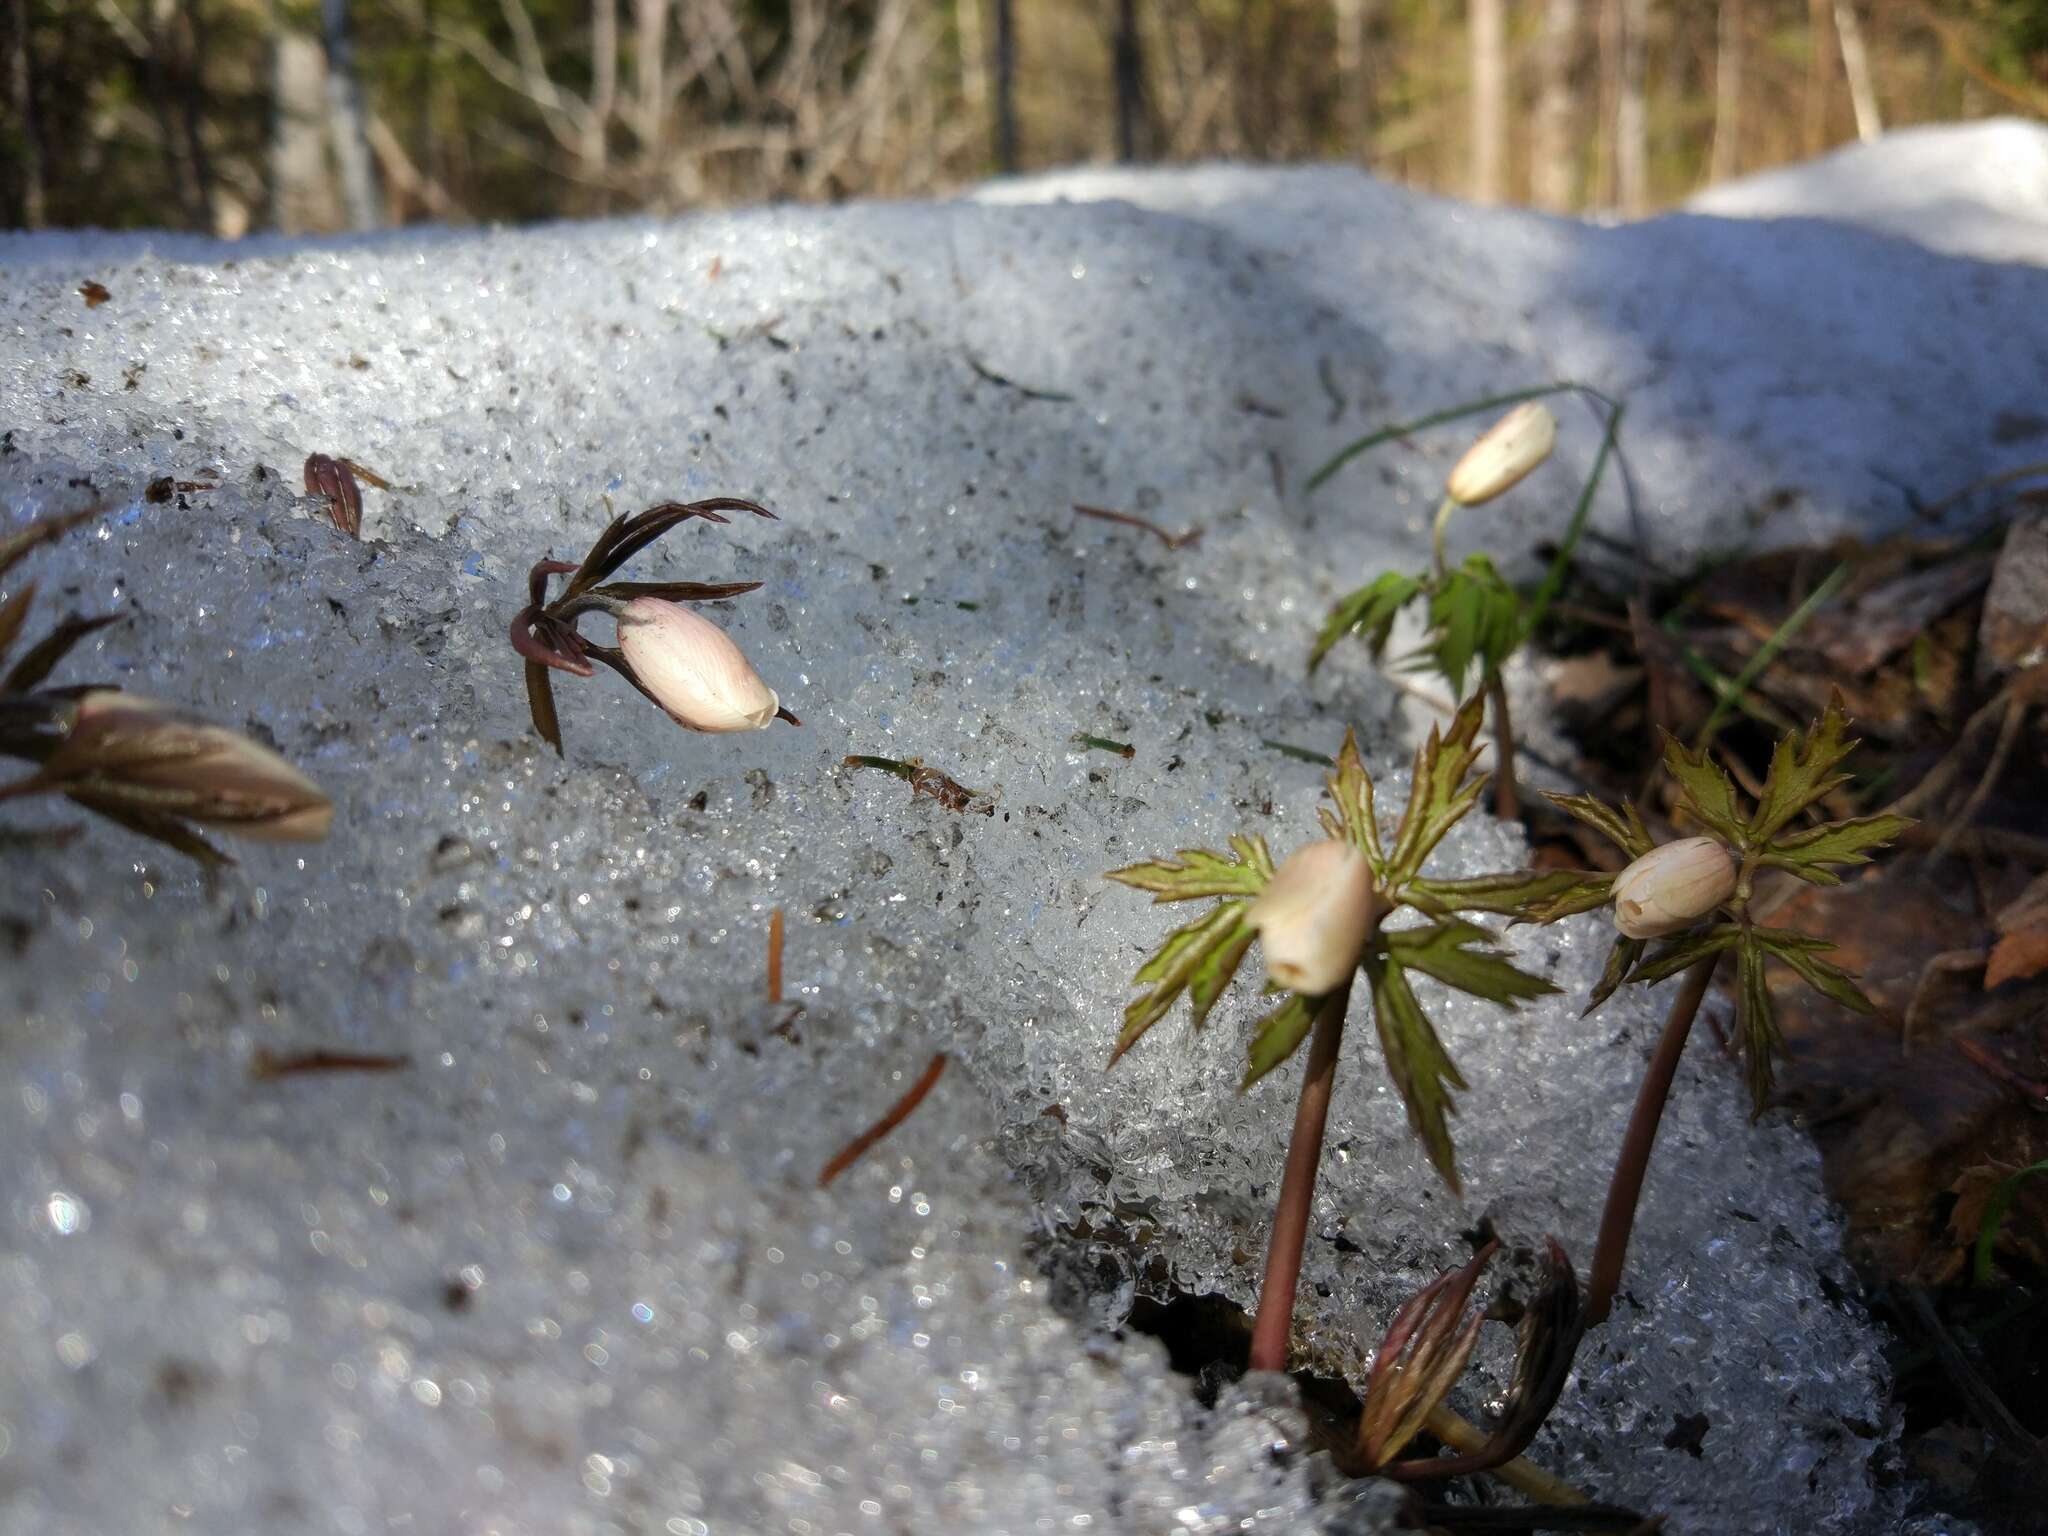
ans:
x=1314 y=916
x=134 y=753
x=693 y=669
x=1513 y=446
x=1672 y=887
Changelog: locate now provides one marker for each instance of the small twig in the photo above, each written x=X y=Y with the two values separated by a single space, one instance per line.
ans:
x=1299 y=754
x=1104 y=744
x=1949 y=962
x=266 y=1066
x=898 y=1113
x=1984 y=1402
x=775 y=956
x=2008 y=737
x=945 y=789
x=1129 y=520
x=1618 y=1219
x=1029 y=392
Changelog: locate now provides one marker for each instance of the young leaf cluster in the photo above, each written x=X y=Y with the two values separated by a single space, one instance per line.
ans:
x=1474 y=617
x=1200 y=959
x=1804 y=772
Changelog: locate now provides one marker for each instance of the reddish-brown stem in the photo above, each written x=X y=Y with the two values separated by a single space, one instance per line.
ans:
x=898 y=1113
x=1618 y=1220
x=1274 y=1324
x=1129 y=520
x=775 y=956
x=1507 y=804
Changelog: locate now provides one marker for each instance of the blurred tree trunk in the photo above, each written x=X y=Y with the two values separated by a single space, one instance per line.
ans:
x=594 y=152
x=1608 y=31
x=1354 y=100
x=1819 y=45
x=161 y=86
x=973 y=45
x=1631 y=112
x=1553 y=172
x=1127 y=65
x=1006 y=88
x=1488 y=29
x=345 y=118
x=1726 y=155
x=650 y=106
x=33 y=202
x=301 y=196
x=1856 y=65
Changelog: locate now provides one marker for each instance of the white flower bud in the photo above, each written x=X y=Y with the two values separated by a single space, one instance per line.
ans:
x=693 y=669
x=1314 y=916
x=124 y=750
x=1672 y=887
x=1513 y=446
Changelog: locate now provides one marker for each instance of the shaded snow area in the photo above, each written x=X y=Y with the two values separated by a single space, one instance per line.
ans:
x=1972 y=189
x=569 y=1272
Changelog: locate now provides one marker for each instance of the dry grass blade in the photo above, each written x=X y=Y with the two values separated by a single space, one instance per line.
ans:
x=268 y=1066
x=1130 y=520
x=43 y=531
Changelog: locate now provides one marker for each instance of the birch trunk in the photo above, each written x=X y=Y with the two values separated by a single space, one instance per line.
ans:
x=1488 y=27
x=345 y=119
x=1553 y=173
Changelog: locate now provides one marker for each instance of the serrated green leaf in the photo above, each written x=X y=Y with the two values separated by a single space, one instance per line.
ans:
x=1509 y=893
x=1620 y=960
x=1623 y=828
x=1799 y=952
x=1351 y=788
x=1188 y=952
x=1808 y=853
x=1682 y=951
x=1368 y=612
x=1442 y=790
x=1421 y=1068
x=1277 y=1036
x=1803 y=771
x=1587 y=893
x=1706 y=791
x=1213 y=972
x=1756 y=1025
x=1473 y=616
x=1196 y=872
x=1444 y=950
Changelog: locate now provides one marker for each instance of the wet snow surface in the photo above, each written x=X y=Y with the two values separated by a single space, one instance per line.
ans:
x=569 y=1271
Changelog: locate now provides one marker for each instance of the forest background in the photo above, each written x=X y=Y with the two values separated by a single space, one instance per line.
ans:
x=316 y=115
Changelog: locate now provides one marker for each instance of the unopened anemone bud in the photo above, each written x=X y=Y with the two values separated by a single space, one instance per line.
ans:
x=1672 y=887
x=1314 y=916
x=693 y=669
x=1512 y=447
x=125 y=751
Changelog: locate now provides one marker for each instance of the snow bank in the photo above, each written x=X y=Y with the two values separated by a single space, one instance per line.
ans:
x=1969 y=189
x=568 y=1273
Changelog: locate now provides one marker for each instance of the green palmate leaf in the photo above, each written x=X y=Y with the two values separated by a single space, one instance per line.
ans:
x=1473 y=616
x=1803 y=771
x=1511 y=893
x=1443 y=789
x=1584 y=894
x=1620 y=960
x=1756 y=1024
x=1277 y=1036
x=1206 y=953
x=1808 y=854
x=1624 y=828
x=1197 y=872
x=1351 y=787
x=1682 y=951
x=1801 y=952
x=1444 y=950
x=1369 y=612
x=1708 y=792
x=1422 y=1070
